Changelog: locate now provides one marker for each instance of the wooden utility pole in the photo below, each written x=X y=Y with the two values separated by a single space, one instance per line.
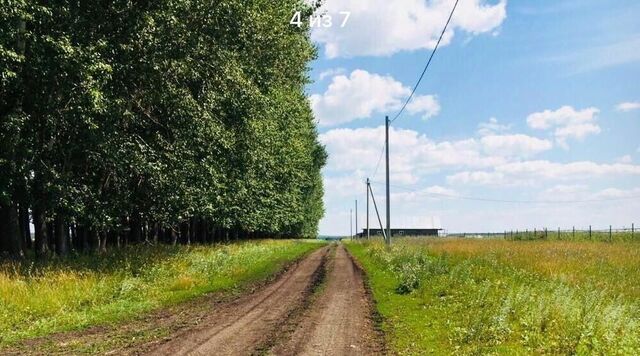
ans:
x=356 y=235
x=386 y=142
x=351 y=223
x=368 y=234
x=375 y=206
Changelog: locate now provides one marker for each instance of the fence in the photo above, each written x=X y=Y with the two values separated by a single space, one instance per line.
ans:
x=611 y=234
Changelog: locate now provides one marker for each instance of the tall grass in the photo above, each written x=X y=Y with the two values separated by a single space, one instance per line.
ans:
x=38 y=298
x=504 y=297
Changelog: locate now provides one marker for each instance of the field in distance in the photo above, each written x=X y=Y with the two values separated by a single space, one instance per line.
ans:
x=489 y=296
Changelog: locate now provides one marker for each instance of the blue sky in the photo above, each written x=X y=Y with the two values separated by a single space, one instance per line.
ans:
x=531 y=101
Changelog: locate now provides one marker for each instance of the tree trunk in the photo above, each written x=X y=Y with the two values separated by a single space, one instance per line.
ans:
x=192 y=230
x=51 y=235
x=25 y=229
x=73 y=236
x=10 y=238
x=184 y=233
x=40 y=230
x=103 y=241
x=94 y=240
x=174 y=235
x=80 y=239
x=60 y=236
x=134 y=225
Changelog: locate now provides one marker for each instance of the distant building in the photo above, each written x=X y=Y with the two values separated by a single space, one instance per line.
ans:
x=403 y=232
x=410 y=226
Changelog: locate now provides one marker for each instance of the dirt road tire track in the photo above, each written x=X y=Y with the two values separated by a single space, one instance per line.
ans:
x=340 y=322
x=241 y=327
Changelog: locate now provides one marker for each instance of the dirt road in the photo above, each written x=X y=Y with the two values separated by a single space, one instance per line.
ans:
x=339 y=323
x=243 y=326
x=287 y=318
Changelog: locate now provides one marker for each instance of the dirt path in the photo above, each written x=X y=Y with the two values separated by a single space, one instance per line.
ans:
x=286 y=319
x=319 y=306
x=244 y=326
x=339 y=322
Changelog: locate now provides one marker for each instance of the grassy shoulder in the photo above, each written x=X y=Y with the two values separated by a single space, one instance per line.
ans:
x=501 y=297
x=37 y=299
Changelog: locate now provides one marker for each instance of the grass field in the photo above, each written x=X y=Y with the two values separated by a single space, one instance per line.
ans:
x=470 y=296
x=37 y=299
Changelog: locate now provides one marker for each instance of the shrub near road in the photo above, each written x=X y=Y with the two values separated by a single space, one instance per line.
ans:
x=42 y=298
x=489 y=296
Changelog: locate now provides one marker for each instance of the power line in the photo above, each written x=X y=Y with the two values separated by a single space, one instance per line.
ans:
x=418 y=83
x=428 y=62
x=379 y=160
x=462 y=197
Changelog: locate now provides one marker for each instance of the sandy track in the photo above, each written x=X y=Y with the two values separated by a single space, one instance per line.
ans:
x=339 y=322
x=243 y=326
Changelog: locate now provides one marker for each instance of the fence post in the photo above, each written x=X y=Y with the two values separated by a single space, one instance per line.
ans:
x=589 y=232
x=545 y=234
x=558 y=233
x=632 y=230
x=535 y=233
x=574 y=233
x=610 y=237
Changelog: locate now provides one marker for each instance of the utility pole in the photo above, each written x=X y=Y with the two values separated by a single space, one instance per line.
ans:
x=386 y=142
x=351 y=223
x=368 y=235
x=375 y=206
x=356 y=235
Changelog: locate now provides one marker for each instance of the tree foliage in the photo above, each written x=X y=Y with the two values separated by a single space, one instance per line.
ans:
x=164 y=120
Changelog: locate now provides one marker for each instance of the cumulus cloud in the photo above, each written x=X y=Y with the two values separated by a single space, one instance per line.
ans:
x=567 y=123
x=382 y=27
x=523 y=173
x=628 y=106
x=434 y=192
x=331 y=73
x=581 y=192
x=492 y=127
x=414 y=154
x=362 y=94
x=426 y=104
x=514 y=145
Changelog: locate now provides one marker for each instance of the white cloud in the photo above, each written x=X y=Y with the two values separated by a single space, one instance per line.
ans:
x=531 y=173
x=514 y=145
x=492 y=127
x=615 y=193
x=362 y=94
x=567 y=122
x=468 y=167
x=434 y=192
x=628 y=106
x=331 y=73
x=382 y=27
x=359 y=149
x=415 y=155
x=581 y=192
x=426 y=104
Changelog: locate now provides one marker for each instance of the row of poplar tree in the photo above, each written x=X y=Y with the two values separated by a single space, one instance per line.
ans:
x=175 y=121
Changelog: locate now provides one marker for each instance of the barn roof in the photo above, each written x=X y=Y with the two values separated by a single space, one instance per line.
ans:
x=415 y=223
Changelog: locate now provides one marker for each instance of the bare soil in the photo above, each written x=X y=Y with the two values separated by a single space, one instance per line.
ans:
x=340 y=321
x=244 y=325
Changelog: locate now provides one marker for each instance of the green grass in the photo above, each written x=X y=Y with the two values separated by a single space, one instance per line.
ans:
x=462 y=296
x=39 y=298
